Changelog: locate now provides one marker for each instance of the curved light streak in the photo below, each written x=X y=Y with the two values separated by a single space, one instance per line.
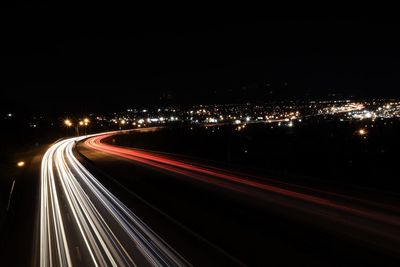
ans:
x=81 y=222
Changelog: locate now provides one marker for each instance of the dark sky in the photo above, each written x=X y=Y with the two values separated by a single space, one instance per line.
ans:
x=109 y=60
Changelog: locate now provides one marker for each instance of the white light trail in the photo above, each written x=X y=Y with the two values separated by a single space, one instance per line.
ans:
x=83 y=223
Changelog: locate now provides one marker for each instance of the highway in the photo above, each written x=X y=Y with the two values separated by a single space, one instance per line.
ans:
x=84 y=224
x=106 y=205
x=341 y=223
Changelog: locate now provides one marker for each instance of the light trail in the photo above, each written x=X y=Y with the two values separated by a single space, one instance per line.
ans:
x=82 y=223
x=378 y=223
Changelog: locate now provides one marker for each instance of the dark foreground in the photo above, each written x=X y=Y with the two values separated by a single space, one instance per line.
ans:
x=216 y=226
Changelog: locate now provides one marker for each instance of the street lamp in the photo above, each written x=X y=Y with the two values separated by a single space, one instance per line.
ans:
x=86 y=122
x=68 y=123
x=362 y=132
x=122 y=123
x=21 y=164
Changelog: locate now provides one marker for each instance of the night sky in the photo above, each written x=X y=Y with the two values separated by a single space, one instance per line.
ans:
x=114 y=60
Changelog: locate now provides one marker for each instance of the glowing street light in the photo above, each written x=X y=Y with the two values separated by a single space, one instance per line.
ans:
x=121 y=123
x=81 y=123
x=21 y=164
x=362 y=132
x=68 y=122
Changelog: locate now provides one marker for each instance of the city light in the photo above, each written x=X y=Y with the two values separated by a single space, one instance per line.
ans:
x=21 y=164
x=68 y=122
x=362 y=132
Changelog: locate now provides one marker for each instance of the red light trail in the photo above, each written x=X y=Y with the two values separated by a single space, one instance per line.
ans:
x=191 y=169
x=358 y=213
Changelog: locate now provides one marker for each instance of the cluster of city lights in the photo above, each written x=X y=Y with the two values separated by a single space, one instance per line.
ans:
x=279 y=114
x=364 y=110
x=342 y=108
